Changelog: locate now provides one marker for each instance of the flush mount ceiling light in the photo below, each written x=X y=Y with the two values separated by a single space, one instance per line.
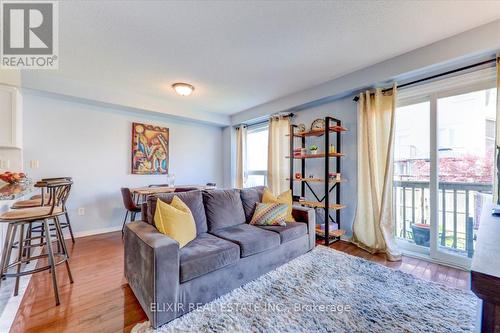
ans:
x=183 y=89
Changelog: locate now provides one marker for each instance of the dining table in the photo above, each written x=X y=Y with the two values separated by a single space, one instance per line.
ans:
x=141 y=193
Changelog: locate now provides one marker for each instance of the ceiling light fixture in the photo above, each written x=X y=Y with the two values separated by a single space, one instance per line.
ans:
x=183 y=89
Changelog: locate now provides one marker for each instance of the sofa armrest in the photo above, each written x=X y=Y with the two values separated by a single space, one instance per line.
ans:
x=307 y=215
x=152 y=270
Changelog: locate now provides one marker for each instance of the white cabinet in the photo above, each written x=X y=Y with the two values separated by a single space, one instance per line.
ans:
x=10 y=117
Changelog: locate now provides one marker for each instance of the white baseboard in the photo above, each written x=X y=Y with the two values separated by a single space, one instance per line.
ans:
x=93 y=232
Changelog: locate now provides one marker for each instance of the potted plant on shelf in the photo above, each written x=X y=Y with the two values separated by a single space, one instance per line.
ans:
x=313 y=149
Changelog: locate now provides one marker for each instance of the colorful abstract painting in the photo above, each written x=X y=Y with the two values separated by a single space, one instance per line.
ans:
x=149 y=149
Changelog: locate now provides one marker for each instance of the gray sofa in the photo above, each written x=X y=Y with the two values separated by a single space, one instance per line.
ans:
x=227 y=252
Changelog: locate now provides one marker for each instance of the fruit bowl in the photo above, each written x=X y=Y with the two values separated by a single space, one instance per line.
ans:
x=13 y=177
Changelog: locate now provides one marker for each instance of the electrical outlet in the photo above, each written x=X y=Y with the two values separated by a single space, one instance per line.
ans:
x=81 y=211
x=34 y=164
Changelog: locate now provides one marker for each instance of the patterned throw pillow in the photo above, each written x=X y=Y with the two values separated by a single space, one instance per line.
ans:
x=283 y=198
x=269 y=214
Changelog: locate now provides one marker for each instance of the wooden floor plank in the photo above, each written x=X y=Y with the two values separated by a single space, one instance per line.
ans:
x=449 y=276
x=100 y=300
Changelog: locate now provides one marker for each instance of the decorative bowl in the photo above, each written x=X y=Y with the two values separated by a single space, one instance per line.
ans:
x=13 y=177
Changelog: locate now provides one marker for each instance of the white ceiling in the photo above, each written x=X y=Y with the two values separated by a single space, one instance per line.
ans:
x=242 y=54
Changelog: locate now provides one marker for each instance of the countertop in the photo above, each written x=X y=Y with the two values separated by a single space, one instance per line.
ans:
x=9 y=192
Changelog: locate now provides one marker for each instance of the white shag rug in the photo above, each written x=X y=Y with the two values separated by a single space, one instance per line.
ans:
x=329 y=291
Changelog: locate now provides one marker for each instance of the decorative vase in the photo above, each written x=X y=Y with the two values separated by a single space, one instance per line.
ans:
x=314 y=152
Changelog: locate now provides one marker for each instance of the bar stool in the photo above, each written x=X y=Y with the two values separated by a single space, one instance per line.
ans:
x=43 y=199
x=58 y=192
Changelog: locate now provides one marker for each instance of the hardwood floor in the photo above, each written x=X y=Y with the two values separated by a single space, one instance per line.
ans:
x=100 y=300
x=420 y=268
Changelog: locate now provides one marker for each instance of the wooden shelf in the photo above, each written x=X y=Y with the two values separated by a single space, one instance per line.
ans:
x=315 y=204
x=316 y=180
x=318 y=155
x=333 y=233
x=319 y=132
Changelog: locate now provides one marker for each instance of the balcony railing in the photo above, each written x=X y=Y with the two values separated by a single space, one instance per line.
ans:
x=459 y=210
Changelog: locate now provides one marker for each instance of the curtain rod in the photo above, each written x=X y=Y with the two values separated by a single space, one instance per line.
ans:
x=355 y=99
x=267 y=119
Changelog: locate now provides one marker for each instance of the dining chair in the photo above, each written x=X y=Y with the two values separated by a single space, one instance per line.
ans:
x=130 y=206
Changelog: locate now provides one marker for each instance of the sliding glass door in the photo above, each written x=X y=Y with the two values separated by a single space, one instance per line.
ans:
x=465 y=168
x=444 y=166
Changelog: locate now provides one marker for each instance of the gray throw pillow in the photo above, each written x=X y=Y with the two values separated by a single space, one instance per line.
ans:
x=223 y=208
x=250 y=197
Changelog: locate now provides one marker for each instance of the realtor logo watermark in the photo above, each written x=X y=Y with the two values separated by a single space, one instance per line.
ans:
x=29 y=35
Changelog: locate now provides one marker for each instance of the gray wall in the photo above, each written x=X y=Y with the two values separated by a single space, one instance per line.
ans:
x=346 y=111
x=92 y=144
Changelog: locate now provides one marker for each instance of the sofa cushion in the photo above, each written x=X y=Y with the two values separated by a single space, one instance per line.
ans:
x=251 y=239
x=249 y=197
x=204 y=254
x=223 y=208
x=192 y=199
x=291 y=231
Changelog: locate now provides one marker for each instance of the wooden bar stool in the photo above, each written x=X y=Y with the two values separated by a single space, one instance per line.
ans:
x=43 y=199
x=58 y=192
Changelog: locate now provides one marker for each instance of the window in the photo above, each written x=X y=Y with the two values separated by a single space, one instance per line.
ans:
x=256 y=159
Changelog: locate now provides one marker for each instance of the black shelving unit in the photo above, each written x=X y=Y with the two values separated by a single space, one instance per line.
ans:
x=332 y=125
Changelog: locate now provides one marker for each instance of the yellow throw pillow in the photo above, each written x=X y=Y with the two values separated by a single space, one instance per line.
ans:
x=175 y=220
x=284 y=198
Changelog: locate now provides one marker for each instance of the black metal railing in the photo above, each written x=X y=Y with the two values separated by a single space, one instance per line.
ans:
x=459 y=208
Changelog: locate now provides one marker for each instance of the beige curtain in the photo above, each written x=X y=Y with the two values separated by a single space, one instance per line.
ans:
x=241 y=139
x=497 y=139
x=278 y=150
x=374 y=224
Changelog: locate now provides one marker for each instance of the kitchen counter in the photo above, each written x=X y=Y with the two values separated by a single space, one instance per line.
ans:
x=9 y=192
